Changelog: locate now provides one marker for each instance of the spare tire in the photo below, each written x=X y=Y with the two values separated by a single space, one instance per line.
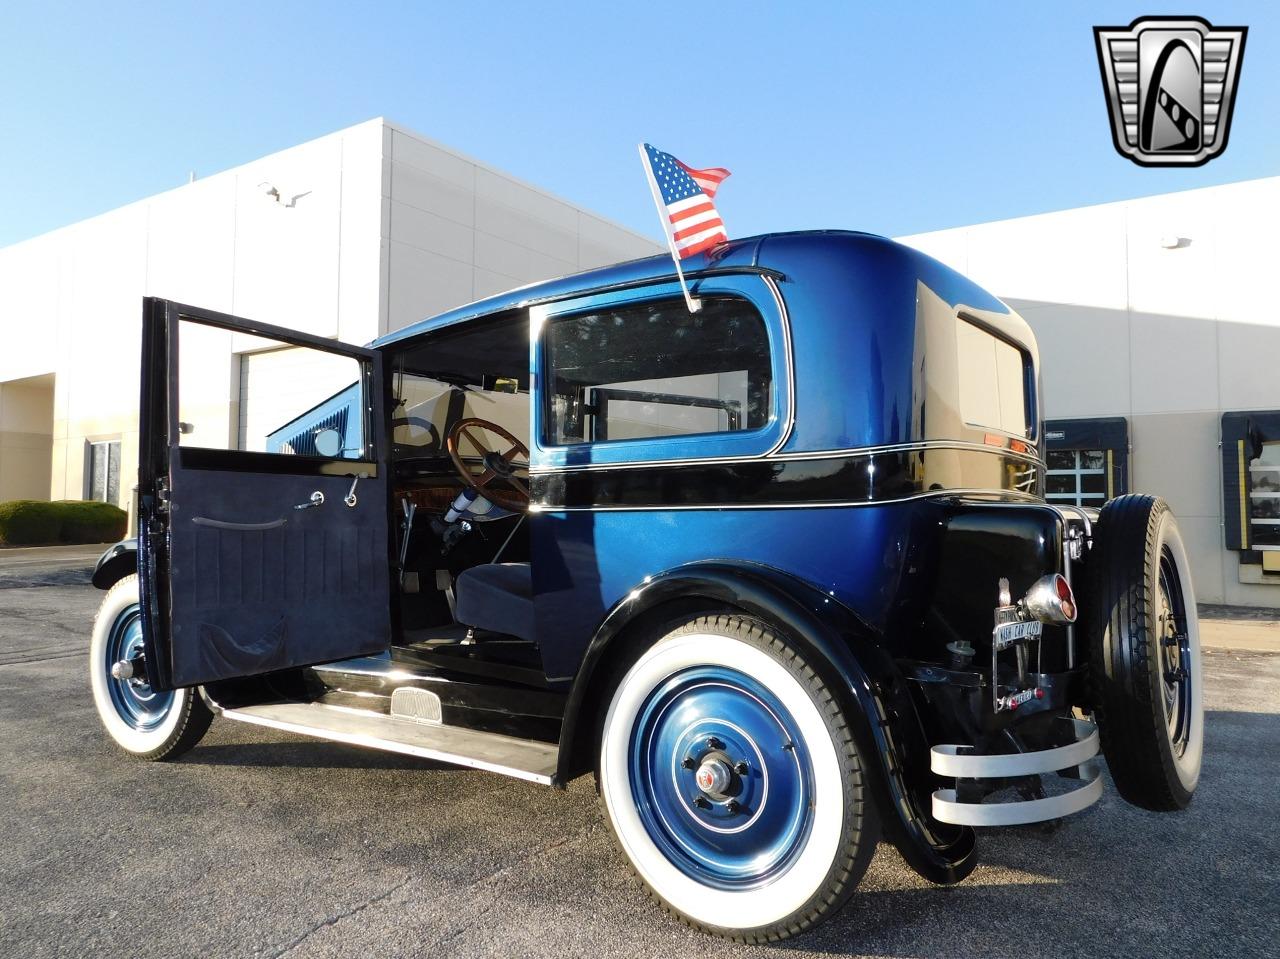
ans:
x=1143 y=639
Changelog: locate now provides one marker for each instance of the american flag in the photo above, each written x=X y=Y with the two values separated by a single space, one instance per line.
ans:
x=693 y=223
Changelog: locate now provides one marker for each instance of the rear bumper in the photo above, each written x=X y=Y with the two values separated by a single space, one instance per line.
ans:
x=959 y=763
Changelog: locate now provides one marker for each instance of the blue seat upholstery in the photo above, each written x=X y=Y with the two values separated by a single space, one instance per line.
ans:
x=497 y=597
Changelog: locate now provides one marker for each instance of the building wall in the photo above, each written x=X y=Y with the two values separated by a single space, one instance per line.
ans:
x=1168 y=337
x=458 y=230
x=375 y=227
x=26 y=437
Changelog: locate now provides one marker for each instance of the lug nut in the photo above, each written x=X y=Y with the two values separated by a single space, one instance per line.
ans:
x=713 y=743
x=740 y=768
x=688 y=762
x=733 y=805
x=702 y=802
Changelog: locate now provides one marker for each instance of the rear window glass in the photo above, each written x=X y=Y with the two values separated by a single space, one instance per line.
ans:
x=655 y=370
x=993 y=380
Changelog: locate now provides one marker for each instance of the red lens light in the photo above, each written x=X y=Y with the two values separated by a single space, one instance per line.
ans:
x=1050 y=600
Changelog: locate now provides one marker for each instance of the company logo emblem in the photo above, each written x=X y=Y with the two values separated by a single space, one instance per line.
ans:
x=1170 y=84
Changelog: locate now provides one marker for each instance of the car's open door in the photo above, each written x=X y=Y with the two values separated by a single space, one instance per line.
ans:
x=257 y=551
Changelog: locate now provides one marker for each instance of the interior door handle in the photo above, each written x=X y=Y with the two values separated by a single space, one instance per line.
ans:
x=350 y=498
x=317 y=499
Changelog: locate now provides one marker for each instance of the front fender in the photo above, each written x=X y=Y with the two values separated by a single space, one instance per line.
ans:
x=115 y=564
x=847 y=653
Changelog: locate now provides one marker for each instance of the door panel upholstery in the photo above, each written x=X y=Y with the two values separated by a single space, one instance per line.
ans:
x=252 y=594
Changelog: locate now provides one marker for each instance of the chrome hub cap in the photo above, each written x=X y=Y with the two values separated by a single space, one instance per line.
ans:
x=720 y=777
x=714 y=777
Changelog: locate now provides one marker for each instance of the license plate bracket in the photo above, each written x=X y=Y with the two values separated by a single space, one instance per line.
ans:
x=1009 y=634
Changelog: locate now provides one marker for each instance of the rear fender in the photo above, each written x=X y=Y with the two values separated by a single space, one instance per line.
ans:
x=844 y=650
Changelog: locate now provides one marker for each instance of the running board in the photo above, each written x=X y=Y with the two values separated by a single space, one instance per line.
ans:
x=527 y=759
x=959 y=762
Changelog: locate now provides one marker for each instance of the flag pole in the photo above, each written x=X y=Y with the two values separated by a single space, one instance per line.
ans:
x=693 y=304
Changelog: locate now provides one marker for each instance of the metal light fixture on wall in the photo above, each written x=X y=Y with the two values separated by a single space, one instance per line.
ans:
x=271 y=192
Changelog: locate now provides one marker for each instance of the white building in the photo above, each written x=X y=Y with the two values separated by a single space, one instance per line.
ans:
x=1160 y=339
x=349 y=236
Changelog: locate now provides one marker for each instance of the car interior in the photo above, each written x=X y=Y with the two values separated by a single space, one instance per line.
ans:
x=460 y=457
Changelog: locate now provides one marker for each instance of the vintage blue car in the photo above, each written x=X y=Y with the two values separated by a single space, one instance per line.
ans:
x=779 y=571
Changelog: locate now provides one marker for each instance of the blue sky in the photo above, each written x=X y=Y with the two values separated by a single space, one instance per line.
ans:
x=893 y=118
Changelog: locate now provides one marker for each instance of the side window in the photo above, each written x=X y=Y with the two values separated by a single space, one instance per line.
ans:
x=654 y=370
x=242 y=392
x=993 y=380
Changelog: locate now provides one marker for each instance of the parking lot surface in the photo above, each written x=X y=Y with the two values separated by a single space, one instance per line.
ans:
x=259 y=843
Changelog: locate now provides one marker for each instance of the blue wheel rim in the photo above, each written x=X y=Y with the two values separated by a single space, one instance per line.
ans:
x=135 y=702
x=741 y=833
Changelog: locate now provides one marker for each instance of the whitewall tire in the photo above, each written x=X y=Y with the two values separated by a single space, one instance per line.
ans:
x=730 y=778
x=143 y=722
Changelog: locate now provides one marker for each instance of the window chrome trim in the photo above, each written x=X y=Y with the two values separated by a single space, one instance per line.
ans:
x=784 y=319
x=540 y=316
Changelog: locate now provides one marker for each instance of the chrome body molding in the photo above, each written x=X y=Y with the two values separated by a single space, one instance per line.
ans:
x=1015 y=499
x=954 y=761
x=923 y=445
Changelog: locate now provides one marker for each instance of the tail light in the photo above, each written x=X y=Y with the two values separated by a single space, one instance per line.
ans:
x=1050 y=600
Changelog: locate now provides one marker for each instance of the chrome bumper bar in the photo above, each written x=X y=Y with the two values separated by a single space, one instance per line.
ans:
x=958 y=762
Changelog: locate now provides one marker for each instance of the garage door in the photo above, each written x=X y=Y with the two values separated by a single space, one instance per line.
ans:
x=278 y=386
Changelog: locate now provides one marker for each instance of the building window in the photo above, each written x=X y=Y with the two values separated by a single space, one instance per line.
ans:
x=1087 y=460
x=655 y=370
x=1077 y=476
x=1264 y=497
x=1251 y=487
x=104 y=472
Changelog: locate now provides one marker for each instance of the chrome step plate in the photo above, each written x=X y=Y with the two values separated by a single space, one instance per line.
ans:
x=531 y=760
x=420 y=705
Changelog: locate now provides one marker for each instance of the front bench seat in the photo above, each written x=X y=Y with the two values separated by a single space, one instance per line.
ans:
x=497 y=597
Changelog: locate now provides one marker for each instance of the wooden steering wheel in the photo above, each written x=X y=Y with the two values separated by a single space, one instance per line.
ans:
x=494 y=465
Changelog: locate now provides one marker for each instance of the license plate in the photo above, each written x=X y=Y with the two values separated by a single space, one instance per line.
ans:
x=1006 y=634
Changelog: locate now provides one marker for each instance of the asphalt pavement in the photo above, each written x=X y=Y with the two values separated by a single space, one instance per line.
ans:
x=259 y=843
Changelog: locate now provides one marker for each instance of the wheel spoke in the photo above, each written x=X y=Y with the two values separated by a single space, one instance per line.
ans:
x=480 y=448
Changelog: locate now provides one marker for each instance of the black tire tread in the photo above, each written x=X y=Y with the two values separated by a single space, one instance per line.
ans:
x=1124 y=667
x=862 y=822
